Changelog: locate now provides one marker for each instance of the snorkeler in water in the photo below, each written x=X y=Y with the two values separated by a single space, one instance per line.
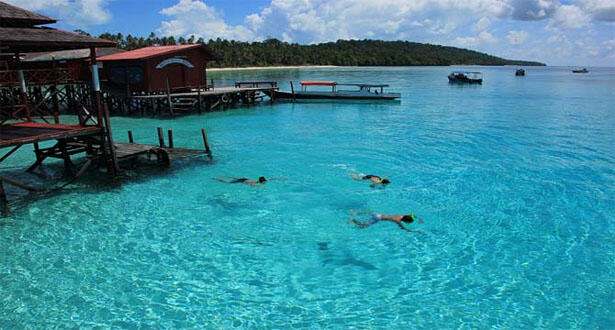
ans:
x=375 y=179
x=376 y=217
x=254 y=183
x=261 y=180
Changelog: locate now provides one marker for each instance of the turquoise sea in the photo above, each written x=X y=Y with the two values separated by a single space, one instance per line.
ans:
x=515 y=180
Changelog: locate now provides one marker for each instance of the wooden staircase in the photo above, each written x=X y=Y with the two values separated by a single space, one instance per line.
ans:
x=183 y=104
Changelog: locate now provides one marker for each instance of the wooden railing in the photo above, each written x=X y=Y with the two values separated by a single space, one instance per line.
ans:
x=9 y=78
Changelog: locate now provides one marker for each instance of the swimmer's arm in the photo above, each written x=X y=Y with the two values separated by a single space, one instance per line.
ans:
x=279 y=179
x=408 y=229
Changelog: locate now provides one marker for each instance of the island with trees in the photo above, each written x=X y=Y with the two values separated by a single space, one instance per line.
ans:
x=273 y=52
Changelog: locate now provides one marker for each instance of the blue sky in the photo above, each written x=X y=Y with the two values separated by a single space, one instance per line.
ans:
x=556 y=32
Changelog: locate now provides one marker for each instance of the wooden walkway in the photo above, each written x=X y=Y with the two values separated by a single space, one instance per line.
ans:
x=195 y=100
x=28 y=132
x=219 y=91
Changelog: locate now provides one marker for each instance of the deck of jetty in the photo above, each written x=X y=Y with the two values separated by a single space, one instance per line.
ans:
x=29 y=132
x=173 y=102
x=219 y=91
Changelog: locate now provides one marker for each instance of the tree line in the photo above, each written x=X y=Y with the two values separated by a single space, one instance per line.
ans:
x=366 y=52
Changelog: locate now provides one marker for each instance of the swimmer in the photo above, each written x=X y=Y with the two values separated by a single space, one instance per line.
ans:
x=254 y=183
x=376 y=180
x=261 y=180
x=376 y=217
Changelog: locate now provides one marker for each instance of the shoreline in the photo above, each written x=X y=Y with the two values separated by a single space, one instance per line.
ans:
x=273 y=67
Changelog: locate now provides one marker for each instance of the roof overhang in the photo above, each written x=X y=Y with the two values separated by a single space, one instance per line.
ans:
x=40 y=39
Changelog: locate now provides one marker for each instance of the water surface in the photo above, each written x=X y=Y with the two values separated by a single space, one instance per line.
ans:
x=515 y=180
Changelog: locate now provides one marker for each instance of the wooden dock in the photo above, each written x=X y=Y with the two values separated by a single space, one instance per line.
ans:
x=212 y=98
x=73 y=140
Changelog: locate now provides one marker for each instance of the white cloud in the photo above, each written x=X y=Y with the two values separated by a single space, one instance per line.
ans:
x=325 y=20
x=602 y=10
x=482 y=38
x=609 y=44
x=531 y=10
x=189 y=17
x=569 y=17
x=517 y=37
x=78 y=13
x=482 y=24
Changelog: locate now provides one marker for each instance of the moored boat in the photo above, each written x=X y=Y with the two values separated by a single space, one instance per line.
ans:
x=360 y=92
x=464 y=77
x=580 y=70
x=520 y=72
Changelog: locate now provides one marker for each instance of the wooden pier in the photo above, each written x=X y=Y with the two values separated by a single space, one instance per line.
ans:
x=191 y=101
x=76 y=140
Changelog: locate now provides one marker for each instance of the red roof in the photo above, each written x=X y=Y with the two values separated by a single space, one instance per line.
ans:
x=147 y=52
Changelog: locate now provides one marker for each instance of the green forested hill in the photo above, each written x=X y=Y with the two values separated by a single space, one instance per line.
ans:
x=343 y=52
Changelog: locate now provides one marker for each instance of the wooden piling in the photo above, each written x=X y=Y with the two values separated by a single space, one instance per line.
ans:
x=170 y=138
x=204 y=133
x=292 y=89
x=199 y=98
x=130 y=139
x=160 y=137
x=4 y=202
x=169 y=97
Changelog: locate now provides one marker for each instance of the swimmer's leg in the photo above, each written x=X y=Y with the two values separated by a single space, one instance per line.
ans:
x=358 y=223
x=355 y=177
x=221 y=180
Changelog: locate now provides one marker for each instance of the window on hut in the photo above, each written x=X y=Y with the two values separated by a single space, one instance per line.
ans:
x=126 y=74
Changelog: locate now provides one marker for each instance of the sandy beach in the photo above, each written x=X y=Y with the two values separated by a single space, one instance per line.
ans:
x=272 y=67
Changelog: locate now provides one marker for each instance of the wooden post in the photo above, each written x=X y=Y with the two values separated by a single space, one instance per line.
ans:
x=170 y=138
x=160 y=137
x=56 y=104
x=169 y=97
x=292 y=89
x=22 y=88
x=130 y=139
x=199 y=96
x=4 y=202
x=115 y=165
x=204 y=133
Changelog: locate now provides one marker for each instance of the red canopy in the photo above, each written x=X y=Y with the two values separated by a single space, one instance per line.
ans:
x=318 y=83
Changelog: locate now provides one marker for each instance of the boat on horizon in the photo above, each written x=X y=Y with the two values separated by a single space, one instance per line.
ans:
x=520 y=72
x=361 y=92
x=465 y=77
x=580 y=70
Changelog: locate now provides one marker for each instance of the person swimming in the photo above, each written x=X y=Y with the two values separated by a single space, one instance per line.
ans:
x=377 y=217
x=254 y=183
x=261 y=180
x=375 y=179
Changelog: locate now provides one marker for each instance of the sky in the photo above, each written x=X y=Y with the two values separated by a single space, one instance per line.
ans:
x=556 y=32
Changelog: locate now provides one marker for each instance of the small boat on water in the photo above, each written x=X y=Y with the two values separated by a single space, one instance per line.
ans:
x=580 y=70
x=463 y=77
x=359 y=92
x=520 y=72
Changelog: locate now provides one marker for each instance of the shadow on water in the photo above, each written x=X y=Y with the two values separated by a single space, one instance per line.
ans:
x=345 y=259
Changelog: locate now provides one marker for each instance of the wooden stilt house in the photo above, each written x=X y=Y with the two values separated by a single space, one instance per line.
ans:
x=157 y=69
x=30 y=98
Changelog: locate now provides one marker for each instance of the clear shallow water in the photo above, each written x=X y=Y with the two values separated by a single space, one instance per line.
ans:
x=515 y=180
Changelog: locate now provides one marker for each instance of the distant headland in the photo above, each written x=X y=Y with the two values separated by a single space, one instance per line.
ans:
x=273 y=52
